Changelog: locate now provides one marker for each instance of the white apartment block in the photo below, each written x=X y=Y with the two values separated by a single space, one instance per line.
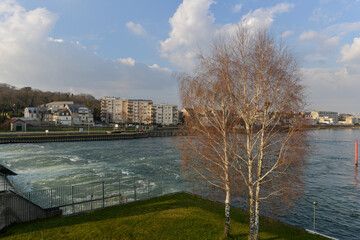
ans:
x=325 y=117
x=119 y=110
x=166 y=114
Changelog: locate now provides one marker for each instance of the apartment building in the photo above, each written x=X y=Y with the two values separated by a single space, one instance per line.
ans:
x=166 y=114
x=140 y=111
x=119 y=110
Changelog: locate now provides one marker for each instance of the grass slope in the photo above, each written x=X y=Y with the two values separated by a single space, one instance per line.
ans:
x=178 y=216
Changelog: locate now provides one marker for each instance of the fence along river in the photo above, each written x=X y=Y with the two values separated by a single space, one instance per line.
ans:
x=331 y=178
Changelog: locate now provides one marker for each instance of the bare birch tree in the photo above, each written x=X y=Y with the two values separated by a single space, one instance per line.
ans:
x=207 y=149
x=249 y=93
x=266 y=91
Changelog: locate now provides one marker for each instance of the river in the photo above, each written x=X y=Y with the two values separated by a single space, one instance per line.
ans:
x=330 y=177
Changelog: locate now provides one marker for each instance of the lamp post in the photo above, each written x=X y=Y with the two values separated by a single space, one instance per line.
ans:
x=315 y=203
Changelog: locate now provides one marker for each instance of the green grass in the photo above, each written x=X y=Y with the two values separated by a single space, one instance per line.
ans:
x=178 y=216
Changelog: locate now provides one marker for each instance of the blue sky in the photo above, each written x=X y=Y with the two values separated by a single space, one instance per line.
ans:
x=131 y=48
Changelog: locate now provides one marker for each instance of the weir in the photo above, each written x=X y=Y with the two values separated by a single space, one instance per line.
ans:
x=85 y=137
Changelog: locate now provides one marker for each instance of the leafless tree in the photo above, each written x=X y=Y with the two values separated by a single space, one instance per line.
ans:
x=207 y=149
x=248 y=95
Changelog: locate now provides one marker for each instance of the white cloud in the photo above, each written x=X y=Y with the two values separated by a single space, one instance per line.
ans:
x=237 y=8
x=193 y=26
x=332 y=89
x=127 y=61
x=320 y=15
x=50 y=39
x=136 y=28
x=30 y=57
x=264 y=17
x=310 y=35
x=351 y=53
x=286 y=34
x=157 y=67
x=326 y=41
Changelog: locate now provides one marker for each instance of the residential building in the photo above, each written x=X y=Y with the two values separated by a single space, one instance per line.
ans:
x=119 y=110
x=62 y=117
x=80 y=114
x=31 y=113
x=61 y=113
x=325 y=117
x=167 y=114
x=107 y=106
x=139 y=110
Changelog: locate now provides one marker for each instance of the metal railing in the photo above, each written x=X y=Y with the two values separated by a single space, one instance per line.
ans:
x=96 y=195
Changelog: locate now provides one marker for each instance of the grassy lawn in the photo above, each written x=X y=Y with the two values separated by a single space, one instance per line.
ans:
x=178 y=216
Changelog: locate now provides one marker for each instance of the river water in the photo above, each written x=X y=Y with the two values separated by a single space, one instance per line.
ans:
x=330 y=177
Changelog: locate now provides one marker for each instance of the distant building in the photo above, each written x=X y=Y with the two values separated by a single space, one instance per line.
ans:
x=348 y=119
x=31 y=113
x=117 y=110
x=17 y=125
x=166 y=114
x=65 y=113
x=80 y=114
x=325 y=117
x=62 y=117
x=139 y=111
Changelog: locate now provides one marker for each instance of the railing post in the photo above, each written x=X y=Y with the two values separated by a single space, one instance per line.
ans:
x=72 y=199
x=315 y=203
x=51 y=198
x=162 y=183
x=29 y=198
x=119 y=191
x=103 y=194
x=91 y=196
x=148 y=187
x=134 y=190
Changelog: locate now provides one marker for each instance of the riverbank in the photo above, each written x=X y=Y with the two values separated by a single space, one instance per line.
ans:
x=317 y=127
x=39 y=137
x=175 y=216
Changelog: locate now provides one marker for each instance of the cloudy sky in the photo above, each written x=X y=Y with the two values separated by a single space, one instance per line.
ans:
x=129 y=48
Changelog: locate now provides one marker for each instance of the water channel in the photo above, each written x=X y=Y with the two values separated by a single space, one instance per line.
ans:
x=330 y=178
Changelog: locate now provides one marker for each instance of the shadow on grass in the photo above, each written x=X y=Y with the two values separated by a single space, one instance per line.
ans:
x=173 y=201
x=269 y=230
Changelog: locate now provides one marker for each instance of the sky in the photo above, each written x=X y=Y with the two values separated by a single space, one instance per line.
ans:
x=130 y=49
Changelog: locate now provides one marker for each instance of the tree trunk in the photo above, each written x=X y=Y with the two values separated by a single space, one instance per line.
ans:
x=252 y=230
x=227 y=213
x=254 y=215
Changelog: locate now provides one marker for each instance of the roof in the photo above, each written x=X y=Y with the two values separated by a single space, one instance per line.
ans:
x=16 y=120
x=76 y=106
x=6 y=171
x=139 y=100
x=58 y=112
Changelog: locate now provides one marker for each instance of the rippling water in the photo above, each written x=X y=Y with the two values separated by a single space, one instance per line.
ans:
x=331 y=178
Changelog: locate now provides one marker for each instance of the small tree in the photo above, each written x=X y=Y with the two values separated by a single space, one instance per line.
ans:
x=207 y=149
x=265 y=89
x=249 y=96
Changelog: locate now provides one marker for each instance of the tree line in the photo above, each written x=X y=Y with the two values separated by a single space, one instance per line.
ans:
x=13 y=100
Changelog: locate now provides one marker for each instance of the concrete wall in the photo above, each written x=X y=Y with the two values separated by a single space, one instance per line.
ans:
x=15 y=208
